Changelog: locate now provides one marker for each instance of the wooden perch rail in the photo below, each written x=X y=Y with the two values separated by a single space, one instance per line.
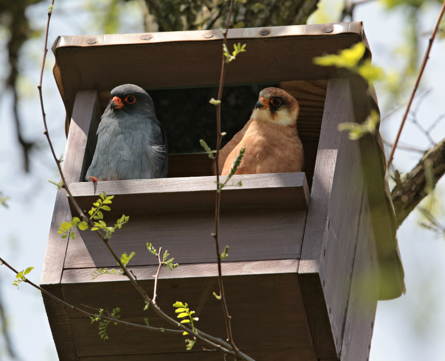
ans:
x=408 y=193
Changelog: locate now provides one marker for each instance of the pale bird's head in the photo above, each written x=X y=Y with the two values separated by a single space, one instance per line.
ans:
x=276 y=106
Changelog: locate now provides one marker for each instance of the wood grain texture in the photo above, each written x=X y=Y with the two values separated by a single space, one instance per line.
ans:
x=255 y=235
x=284 y=328
x=331 y=228
x=364 y=292
x=94 y=67
x=86 y=112
x=60 y=324
x=56 y=246
x=83 y=275
x=173 y=195
x=277 y=354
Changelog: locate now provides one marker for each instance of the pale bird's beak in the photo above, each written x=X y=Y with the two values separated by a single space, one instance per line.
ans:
x=262 y=103
x=116 y=103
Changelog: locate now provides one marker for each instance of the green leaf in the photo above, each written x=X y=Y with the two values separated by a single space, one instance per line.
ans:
x=147 y=305
x=214 y=102
x=347 y=58
x=99 y=215
x=182 y=315
x=146 y=321
x=185 y=333
x=225 y=253
x=106 y=208
x=29 y=269
x=206 y=148
x=83 y=226
x=179 y=304
x=182 y=309
x=216 y=296
x=185 y=321
x=72 y=235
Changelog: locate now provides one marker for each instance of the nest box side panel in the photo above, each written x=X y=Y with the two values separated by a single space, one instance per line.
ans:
x=364 y=292
x=86 y=111
x=331 y=229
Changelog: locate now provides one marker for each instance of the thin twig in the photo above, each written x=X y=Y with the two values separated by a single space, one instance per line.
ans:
x=219 y=137
x=419 y=126
x=157 y=276
x=406 y=147
x=422 y=68
x=49 y=294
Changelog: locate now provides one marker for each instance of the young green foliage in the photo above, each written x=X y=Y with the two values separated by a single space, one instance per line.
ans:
x=206 y=147
x=356 y=131
x=103 y=324
x=165 y=261
x=3 y=200
x=351 y=59
x=238 y=48
x=225 y=254
x=67 y=228
x=104 y=271
x=214 y=102
x=20 y=277
x=187 y=315
x=58 y=185
x=235 y=166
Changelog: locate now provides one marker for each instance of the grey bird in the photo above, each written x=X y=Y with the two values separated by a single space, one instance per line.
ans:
x=131 y=142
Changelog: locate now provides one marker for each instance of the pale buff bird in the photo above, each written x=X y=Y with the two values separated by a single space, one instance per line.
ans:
x=270 y=138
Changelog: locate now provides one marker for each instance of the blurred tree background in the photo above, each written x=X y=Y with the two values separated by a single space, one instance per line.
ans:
x=405 y=26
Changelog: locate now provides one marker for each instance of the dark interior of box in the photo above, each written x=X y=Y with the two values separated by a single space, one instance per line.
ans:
x=187 y=116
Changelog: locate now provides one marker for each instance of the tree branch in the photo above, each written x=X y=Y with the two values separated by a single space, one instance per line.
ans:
x=422 y=68
x=412 y=188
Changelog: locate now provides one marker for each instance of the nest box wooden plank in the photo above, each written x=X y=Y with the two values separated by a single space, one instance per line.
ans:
x=313 y=251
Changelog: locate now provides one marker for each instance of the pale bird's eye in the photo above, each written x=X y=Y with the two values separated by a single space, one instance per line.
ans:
x=275 y=102
x=130 y=99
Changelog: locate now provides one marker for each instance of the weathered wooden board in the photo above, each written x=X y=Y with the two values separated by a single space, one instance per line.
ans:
x=251 y=236
x=331 y=229
x=276 y=354
x=364 y=293
x=172 y=195
x=249 y=285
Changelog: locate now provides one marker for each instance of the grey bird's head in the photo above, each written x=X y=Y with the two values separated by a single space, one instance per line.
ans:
x=131 y=99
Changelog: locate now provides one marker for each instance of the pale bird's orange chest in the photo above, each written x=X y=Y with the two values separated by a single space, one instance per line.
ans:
x=270 y=148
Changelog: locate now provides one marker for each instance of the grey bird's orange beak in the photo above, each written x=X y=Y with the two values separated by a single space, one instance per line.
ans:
x=262 y=103
x=116 y=103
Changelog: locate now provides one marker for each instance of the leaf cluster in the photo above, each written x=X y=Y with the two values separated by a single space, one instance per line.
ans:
x=238 y=48
x=165 y=260
x=20 y=277
x=96 y=213
x=352 y=59
x=356 y=131
x=103 y=324
x=184 y=312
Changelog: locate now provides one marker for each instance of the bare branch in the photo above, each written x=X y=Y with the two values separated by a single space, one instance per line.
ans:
x=219 y=137
x=157 y=275
x=422 y=68
x=411 y=190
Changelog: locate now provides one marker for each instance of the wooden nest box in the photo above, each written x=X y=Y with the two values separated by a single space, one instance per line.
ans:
x=310 y=253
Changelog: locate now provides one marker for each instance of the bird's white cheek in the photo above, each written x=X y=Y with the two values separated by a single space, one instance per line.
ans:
x=283 y=117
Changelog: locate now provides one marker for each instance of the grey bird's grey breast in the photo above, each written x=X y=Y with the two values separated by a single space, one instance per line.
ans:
x=129 y=147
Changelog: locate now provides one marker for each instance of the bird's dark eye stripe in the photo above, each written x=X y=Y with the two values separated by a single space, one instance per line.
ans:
x=130 y=99
x=275 y=102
